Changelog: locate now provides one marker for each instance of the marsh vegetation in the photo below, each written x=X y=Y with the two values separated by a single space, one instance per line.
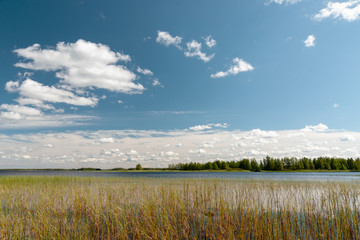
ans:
x=152 y=208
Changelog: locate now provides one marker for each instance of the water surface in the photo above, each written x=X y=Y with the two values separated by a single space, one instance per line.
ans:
x=285 y=176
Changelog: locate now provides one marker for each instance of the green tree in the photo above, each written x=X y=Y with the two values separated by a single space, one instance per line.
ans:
x=139 y=167
x=278 y=165
x=351 y=163
x=246 y=164
x=255 y=166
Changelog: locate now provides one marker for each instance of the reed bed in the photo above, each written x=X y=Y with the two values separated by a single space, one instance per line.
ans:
x=134 y=208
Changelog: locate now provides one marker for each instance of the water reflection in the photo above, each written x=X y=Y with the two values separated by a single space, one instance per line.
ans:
x=286 y=176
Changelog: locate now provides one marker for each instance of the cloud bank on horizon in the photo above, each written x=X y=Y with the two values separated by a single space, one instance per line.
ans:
x=202 y=143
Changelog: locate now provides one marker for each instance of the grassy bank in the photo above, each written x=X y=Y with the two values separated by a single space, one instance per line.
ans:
x=129 y=208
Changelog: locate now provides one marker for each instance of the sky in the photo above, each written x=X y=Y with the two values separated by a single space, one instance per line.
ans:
x=115 y=83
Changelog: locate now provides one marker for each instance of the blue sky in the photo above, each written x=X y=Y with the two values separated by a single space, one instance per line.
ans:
x=172 y=65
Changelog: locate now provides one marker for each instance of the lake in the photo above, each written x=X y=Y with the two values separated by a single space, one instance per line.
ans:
x=285 y=176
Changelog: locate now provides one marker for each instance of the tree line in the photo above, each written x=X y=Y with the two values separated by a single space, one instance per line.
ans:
x=275 y=164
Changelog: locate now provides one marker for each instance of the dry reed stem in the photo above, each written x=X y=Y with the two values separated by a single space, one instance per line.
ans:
x=128 y=208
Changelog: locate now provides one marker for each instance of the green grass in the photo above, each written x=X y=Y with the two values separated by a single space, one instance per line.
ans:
x=135 y=208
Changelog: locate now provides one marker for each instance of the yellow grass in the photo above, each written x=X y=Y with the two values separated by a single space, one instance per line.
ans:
x=129 y=208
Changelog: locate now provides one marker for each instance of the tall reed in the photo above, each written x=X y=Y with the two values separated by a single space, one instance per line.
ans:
x=134 y=208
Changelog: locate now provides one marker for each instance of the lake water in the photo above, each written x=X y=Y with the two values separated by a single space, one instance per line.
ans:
x=285 y=176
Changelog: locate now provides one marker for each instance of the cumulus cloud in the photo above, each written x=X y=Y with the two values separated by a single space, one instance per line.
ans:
x=156 y=82
x=239 y=66
x=12 y=86
x=200 y=127
x=20 y=110
x=194 y=50
x=81 y=68
x=315 y=128
x=82 y=64
x=210 y=42
x=35 y=93
x=10 y=116
x=38 y=103
x=144 y=71
x=348 y=10
x=208 y=126
x=166 y=39
x=310 y=41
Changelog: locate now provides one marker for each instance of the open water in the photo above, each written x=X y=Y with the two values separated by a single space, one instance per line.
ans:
x=284 y=176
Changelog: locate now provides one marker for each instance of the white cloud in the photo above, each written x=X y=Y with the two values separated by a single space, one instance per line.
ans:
x=168 y=154
x=113 y=152
x=15 y=120
x=280 y=2
x=310 y=41
x=347 y=137
x=132 y=152
x=11 y=86
x=144 y=71
x=200 y=127
x=166 y=39
x=348 y=10
x=120 y=102
x=194 y=50
x=123 y=57
x=210 y=42
x=263 y=134
x=37 y=103
x=240 y=66
x=22 y=110
x=82 y=65
x=208 y=126
x=106 y=140
x=198 y=151
x=156 y=82
x=35 y=93
x=10 y=116
x=336 y=105
x=315 y=128
x=220 y=125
